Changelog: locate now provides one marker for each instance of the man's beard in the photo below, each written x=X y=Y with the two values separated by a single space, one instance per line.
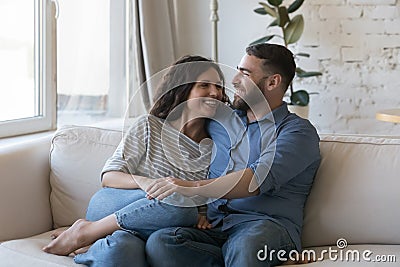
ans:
x=253 y=97
x=240 y=104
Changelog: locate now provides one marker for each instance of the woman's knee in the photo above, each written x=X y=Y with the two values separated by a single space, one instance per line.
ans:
x=108 y=200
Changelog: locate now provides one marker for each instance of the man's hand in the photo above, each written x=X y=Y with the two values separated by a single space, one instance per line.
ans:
x=163 y=187
x=202 y=222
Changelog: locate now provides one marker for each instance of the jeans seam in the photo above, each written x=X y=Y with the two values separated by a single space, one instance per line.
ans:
x=119 y=214
x=120 y=224
x=186 y=243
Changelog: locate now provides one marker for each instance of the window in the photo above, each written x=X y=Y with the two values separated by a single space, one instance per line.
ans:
x=90 y=61
x=26 y=66
x=70 y=68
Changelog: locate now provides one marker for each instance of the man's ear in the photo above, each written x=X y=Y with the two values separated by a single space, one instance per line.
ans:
x=273 y=82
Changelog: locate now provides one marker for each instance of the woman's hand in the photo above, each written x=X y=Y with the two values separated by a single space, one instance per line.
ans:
x=163 y=187
x=142 y=182
x=202 y=222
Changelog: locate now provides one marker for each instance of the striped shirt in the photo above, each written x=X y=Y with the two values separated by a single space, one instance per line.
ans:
x=154 y=149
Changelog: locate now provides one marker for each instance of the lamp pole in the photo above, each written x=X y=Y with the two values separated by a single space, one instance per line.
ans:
x=214 y=28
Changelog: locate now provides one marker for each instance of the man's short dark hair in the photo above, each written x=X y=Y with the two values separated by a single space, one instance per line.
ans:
x=277 y=59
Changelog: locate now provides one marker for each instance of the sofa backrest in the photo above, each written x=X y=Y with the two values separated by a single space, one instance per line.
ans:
x=77 y=157
x=356 y=192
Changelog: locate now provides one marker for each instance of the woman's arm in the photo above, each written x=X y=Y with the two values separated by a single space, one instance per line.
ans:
x=123 y=180
x=117 y=179
x=126 y=158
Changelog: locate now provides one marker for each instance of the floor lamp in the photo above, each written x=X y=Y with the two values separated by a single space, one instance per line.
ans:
x=214 y=28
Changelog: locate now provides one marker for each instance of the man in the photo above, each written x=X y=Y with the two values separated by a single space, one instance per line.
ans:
x=265 y=175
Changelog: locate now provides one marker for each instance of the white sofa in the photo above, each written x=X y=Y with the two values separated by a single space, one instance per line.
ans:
x=356 y=196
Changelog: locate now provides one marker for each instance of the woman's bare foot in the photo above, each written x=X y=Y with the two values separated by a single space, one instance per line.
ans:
x=70 y=240
x=82 y=233
x=57 y=232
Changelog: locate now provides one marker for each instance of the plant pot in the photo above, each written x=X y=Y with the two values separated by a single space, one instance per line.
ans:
x=301 y=111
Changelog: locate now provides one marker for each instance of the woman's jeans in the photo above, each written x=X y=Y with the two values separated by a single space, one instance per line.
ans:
x=138 y=217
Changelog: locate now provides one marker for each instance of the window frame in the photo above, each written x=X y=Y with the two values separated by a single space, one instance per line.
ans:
x=45 y=75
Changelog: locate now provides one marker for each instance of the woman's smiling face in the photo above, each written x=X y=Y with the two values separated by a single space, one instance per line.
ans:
x=205 y=94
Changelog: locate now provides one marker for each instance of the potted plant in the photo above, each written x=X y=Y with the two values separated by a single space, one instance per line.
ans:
x=291 y=29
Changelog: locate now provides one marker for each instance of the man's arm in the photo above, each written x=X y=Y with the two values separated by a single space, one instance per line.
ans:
x=233 y=185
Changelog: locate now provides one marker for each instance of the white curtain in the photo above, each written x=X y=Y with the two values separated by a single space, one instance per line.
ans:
x=152 y=47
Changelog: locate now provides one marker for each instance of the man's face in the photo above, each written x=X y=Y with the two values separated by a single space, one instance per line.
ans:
x=248 y=83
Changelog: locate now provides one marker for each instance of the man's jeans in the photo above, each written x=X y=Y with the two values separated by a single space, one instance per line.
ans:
x=138 y=217
x=253 y=243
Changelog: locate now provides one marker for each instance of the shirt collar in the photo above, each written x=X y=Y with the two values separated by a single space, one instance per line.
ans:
x=279 y=114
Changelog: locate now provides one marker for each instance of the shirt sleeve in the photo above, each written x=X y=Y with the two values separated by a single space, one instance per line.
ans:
x=131 y=149
x=286 y=157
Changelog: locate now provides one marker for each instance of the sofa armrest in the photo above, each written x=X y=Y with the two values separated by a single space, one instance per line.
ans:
x=25 y=189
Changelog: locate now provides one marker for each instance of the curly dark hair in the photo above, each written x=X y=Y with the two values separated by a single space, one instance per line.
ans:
x=177 y=83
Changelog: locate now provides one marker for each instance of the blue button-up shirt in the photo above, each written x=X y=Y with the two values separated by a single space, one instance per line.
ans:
x=282 y=150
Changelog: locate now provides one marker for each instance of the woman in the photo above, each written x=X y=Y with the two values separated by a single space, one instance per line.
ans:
x=165 y=143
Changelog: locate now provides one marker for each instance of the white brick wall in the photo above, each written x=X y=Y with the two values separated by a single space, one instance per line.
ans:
x=356 y=44
x=339 y=12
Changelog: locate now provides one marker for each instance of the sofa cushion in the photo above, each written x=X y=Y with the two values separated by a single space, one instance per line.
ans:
x=28 y=252
x=77 y=157
x=355 y=193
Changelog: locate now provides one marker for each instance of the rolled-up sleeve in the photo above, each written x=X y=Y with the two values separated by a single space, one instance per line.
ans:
x=285 y=158
x=130 y=151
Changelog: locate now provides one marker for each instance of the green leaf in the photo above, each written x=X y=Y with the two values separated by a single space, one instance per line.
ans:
x=275 y=2
x=299 y=71
x=309 y=74
x=305 y=74
x=270 y=10
x=263 y=39
x=260 y=11
x=294 y=30
x=295 y=5
x=302 y=55
x=283 y=16
x=300 y=98
x=274 y=23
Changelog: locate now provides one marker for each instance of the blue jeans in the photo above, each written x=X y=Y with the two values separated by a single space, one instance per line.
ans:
x=253 y=243
x=138 y=217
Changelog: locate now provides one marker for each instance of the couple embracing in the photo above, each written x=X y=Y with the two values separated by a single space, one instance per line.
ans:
x=201 y=181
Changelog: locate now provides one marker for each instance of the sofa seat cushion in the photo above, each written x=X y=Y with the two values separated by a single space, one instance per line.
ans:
x=28 y=252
